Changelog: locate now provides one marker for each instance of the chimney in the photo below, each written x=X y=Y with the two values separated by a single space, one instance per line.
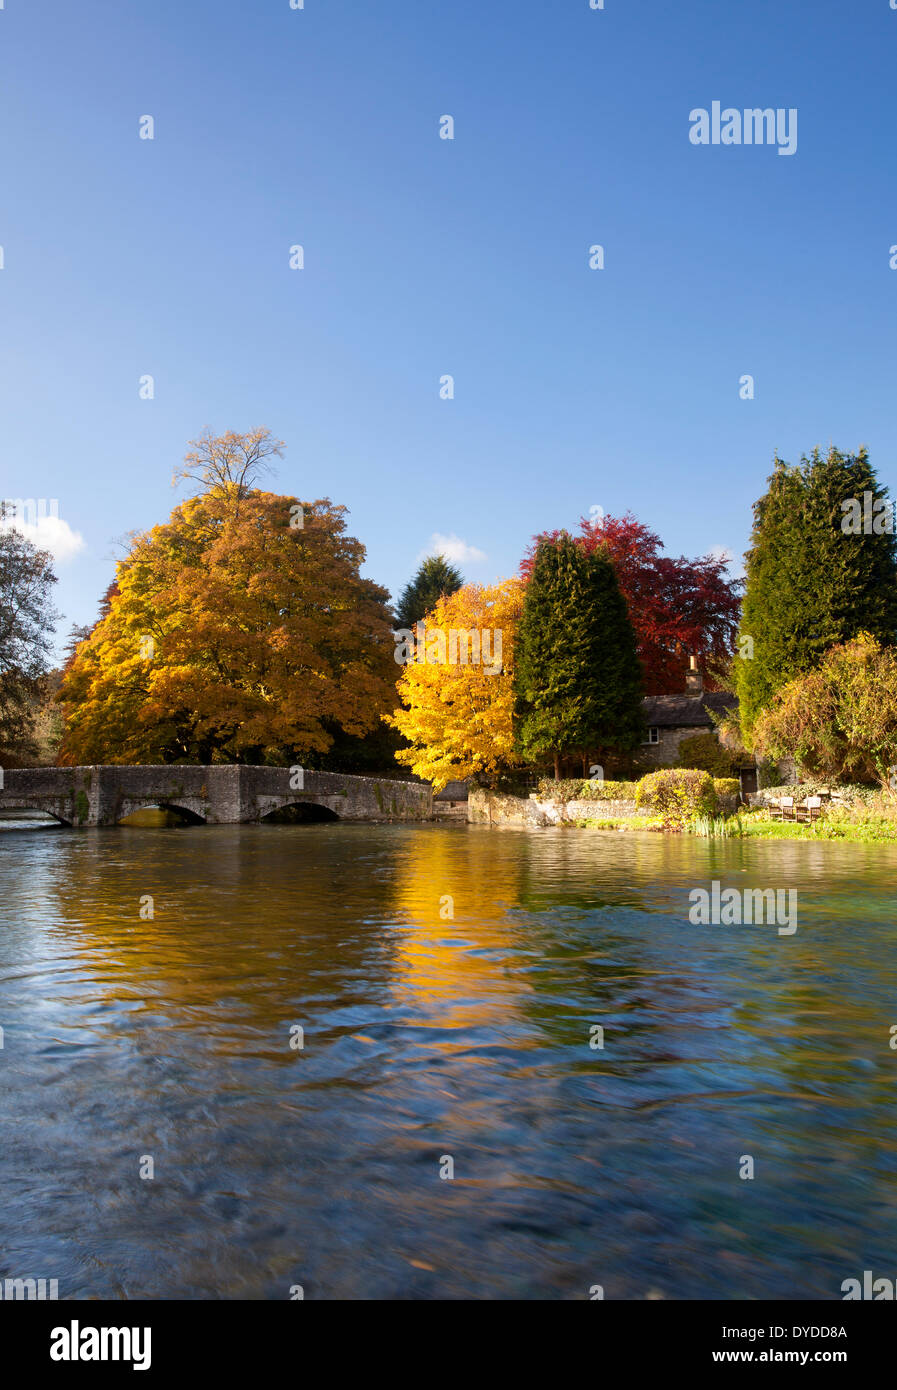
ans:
x=694 y=681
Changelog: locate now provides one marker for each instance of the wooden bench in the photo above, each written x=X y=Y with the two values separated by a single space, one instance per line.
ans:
x=811 y=810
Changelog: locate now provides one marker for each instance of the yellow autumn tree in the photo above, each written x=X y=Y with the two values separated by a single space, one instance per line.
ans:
x=456 y=686
x=240 y=631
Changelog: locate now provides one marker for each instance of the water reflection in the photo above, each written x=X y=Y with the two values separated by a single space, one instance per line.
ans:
x=448 y=980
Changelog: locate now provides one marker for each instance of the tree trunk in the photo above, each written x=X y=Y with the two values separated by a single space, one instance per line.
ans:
x=557 y=767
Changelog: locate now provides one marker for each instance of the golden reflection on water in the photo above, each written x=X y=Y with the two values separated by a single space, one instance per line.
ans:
x=455 y=937
x=428 y=1034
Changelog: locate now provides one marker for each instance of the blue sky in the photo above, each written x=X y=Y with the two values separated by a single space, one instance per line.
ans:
x=423 y=257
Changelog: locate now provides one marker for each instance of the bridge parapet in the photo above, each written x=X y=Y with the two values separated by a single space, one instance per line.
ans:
x=220 y=794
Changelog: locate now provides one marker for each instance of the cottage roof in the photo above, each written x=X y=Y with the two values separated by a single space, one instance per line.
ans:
x=686 y=711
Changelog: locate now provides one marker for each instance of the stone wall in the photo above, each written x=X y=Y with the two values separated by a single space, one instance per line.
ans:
x=491 y=808
x=452 y=791
x=666 y=752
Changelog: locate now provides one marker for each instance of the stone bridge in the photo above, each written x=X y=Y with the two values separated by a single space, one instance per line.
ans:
x=222 y=794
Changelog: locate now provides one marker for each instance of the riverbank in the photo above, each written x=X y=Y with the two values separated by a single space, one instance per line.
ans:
x=485 y=807
x=859 y=824
x=753 y=826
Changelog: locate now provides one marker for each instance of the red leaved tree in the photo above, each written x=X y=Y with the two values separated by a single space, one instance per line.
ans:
x=678 y=607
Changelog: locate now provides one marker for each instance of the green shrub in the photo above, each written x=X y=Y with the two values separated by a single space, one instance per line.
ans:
x=727 y=786
x=564 y=789
x=678 y=794
x=768 y=774
x=707 y=754
x=608 y=791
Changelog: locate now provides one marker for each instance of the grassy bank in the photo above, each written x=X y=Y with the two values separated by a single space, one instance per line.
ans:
x=690 y=801
x=860 y=828
x=617 y=823
x=864 y=827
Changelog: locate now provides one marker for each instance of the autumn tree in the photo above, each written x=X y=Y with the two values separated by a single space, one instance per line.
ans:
x=232 y=635
x=577 y=679
x=839 y=720
x=81 y=632
x=678 y=607
x=435 y=579
x=456 y=710
x=813 y=581
x=229 y=463
x=27 y=621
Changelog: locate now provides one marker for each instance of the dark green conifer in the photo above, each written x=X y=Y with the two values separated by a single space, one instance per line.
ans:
x=577 y=678
x=814 y=577
x=435 y=579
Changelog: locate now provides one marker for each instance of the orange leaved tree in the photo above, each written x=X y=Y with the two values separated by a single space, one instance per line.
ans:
x=239 y=631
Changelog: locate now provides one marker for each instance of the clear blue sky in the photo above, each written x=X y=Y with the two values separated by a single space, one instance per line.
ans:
x=574 y=388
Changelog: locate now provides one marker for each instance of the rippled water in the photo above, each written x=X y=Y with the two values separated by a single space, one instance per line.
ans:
x=428 y=1038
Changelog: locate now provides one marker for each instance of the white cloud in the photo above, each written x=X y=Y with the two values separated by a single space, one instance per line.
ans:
x=722 y=552
x=52 y=534
x=454 y=549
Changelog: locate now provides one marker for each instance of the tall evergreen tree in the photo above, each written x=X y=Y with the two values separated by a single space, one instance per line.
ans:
x=435 y=579
x=577 y=676
x=814 y=579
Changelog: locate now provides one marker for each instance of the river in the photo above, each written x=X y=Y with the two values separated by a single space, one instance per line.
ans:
x=434 y=1043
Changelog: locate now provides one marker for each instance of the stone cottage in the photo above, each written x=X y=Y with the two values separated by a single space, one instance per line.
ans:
x=669 y=720
x=672 y=718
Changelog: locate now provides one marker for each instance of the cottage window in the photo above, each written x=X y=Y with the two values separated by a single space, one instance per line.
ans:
x=653 y=735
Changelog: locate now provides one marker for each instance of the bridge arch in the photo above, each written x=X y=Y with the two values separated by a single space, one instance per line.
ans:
x=38 y=815
x=299 y=813
x=185 y=814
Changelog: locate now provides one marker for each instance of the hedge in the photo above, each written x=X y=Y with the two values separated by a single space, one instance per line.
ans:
x=678 y=794
x=575 y=789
